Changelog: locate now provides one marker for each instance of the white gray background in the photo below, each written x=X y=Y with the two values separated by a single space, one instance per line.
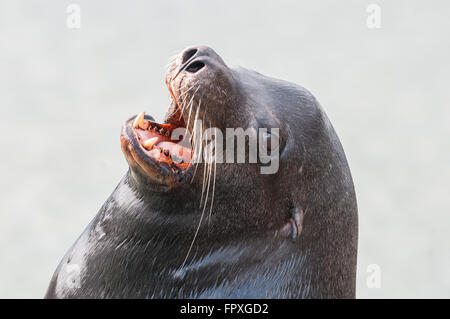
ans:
x=64 y=94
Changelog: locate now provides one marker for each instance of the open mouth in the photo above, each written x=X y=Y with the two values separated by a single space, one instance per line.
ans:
x=165 y=145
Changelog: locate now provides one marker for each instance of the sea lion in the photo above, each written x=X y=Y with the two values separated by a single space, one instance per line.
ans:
x=175 y=228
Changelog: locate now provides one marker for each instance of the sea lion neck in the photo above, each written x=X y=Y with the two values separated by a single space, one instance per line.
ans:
x=158 y=195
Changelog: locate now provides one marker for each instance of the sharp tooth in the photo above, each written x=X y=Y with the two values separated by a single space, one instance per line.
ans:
x=139 y=119
x=144 y=125
x=148 y=144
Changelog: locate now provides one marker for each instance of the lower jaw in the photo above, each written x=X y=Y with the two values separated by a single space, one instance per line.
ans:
x=148 y=147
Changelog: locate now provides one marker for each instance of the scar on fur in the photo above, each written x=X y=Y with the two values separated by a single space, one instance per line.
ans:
x=293 y=228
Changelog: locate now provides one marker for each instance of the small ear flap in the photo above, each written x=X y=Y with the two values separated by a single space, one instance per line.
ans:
x=293 y=228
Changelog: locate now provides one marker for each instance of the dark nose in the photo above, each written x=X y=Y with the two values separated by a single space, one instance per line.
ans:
x=195 y=66
x=195 y=58
x=187 y=54
x=191 y=59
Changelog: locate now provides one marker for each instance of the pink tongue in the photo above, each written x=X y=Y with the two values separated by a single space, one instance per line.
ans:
x=146 y=135
x=165 y=143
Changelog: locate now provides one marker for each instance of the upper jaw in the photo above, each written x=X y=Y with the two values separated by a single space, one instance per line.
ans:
x=148 y=146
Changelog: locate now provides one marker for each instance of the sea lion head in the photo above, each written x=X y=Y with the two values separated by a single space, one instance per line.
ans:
x=303 y=158
x=208 y=98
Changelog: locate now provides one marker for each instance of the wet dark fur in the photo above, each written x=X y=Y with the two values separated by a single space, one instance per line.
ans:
x=147 y=232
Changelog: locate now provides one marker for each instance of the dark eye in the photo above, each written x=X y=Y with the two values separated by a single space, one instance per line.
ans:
x=195 y=66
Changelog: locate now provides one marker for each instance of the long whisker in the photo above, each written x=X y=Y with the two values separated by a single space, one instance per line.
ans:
x=193 y=240
x=191 y=101
x=214 y=178
x=203 y=183
x=202 y=214
x=191 y=86
x=197 y=145
x=205 y=169
x=209 y=165
x=190 y=105
x=189 y=118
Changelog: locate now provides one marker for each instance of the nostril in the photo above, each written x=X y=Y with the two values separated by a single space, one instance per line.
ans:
x=188 y=54
x=195 y=66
